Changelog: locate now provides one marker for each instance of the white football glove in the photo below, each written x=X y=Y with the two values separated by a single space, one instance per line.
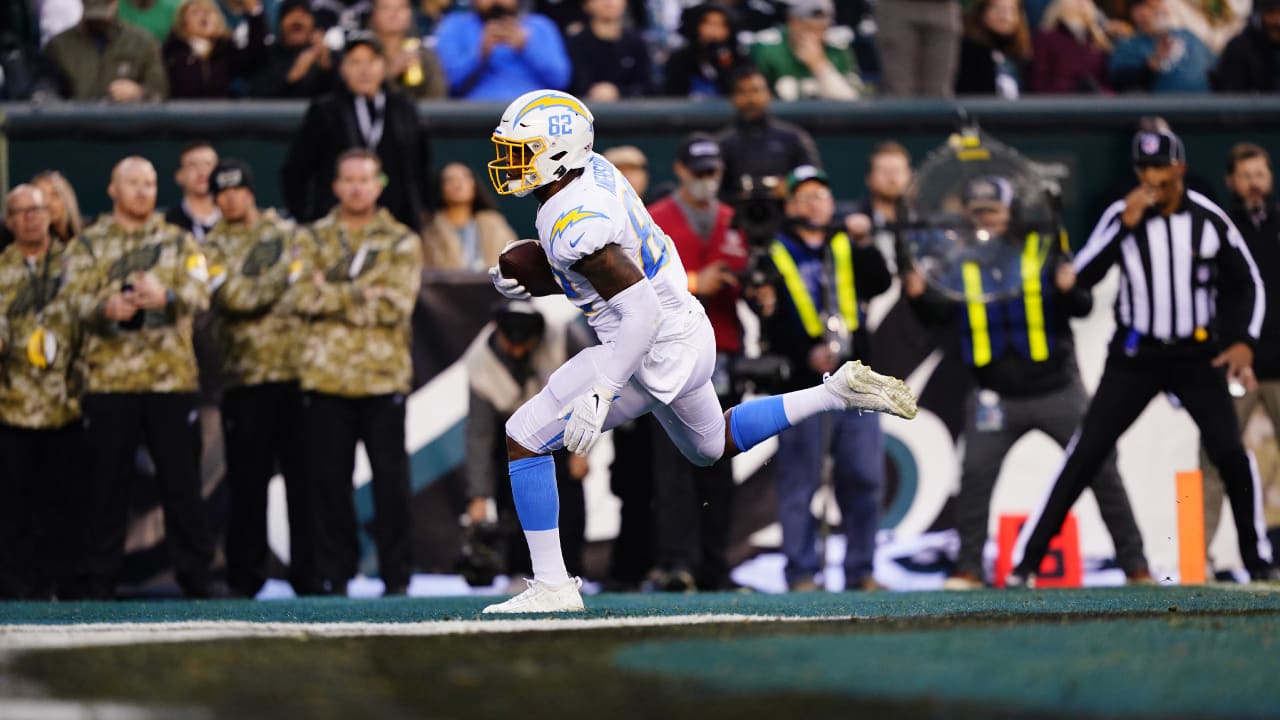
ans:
x=508 y=287
x=586 y=417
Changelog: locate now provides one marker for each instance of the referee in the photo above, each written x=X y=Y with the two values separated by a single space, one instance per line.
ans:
x=1188 y=313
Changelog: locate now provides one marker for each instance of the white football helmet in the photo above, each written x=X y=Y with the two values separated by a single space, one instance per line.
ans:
x=543 y=135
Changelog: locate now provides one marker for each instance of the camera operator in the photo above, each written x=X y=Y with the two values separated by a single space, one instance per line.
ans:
x=693 y=504
x=758 y=145
x=815 y=315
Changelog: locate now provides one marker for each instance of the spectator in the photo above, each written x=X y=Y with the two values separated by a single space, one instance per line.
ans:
x=492 y=52
x=1021 y=353
x=412 y=67
x=995 y=49
x=711 y=50
x=64 y=210
x=197 y=213
x=140 y=282
x=919 y=43
x=1248 y=63
x=756 y=15
x=609 y=61
x=507 y=364
x=1071 y=50
x=570 y=15
x=1215 y=22
x=18 y=58
x=340 y=18
x=817 y=321
x=250 y=254
x=103 y=58
x=155 y=16
x=360 y=113
x=201 y=58
x=1159 y=58
x=692 y=505
x=758 y=145
x=1254 y=211
x=356 y=296
x=633 y=165
x=466 y=231
x=298 y=64
x=41 y=511
x=798 y=61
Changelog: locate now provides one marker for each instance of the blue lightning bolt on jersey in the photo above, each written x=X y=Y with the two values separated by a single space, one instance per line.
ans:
x=599 y=208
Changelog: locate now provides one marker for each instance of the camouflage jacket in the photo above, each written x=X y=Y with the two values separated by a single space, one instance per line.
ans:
x=158 y=355
x=41 y=374
x=249 y=270
x=355 y=345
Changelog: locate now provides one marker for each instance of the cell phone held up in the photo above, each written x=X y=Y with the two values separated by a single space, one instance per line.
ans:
x=135 y=322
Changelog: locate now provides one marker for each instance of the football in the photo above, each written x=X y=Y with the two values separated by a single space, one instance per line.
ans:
x=525 y=261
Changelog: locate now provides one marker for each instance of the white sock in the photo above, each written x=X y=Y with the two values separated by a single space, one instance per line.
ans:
x=801 y=405
x=548 y=560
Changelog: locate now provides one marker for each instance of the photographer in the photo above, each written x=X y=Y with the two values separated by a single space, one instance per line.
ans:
x=757 y=145
x=814 y=314
x=494 y=52
x=693 y=504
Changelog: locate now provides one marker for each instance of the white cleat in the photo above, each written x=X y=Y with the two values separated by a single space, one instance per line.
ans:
x=862 y=388
x=543 y=598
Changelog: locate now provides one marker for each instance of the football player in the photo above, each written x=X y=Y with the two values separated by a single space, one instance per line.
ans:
x=657 y=348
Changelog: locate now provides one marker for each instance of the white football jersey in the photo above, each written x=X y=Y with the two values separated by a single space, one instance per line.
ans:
x=598 y=208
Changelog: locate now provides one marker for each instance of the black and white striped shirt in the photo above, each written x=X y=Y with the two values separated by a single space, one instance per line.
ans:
x=1183 y=276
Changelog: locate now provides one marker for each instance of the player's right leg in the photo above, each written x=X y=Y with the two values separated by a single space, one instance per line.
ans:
x=853 y=386
x=533 y=433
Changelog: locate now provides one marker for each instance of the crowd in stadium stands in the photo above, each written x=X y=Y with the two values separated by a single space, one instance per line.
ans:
x=342 y=257
x=604 y=50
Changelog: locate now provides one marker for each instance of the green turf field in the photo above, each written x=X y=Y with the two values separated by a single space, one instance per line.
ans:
x=1122 y=652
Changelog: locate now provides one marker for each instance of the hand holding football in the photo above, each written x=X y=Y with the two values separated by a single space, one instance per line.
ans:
x=525 y=261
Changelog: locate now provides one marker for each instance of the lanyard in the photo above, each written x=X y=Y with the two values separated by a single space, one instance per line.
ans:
x=370 y=128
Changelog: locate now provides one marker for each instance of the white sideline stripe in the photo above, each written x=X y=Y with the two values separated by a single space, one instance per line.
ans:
x=38 y=637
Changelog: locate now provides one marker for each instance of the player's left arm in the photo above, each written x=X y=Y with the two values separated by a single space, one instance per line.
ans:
x=622 y=285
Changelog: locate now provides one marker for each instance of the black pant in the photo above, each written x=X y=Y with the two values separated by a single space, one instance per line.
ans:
x=692 y=514
x=333 y=425
x=168 y=423
x=1056 y=413
x=1128 y=385
x=262 y=425
x=43 y=502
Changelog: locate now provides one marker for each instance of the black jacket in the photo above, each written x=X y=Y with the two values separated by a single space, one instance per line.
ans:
x=768 y=147
x=1246 y=63
x=1264 y=244
x=976 y=71
x=329 y=128
x=272 y=80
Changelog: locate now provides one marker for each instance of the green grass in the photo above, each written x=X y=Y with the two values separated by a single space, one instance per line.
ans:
x=1142 y=652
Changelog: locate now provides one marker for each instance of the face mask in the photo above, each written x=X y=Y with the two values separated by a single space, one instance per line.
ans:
x=703 y=189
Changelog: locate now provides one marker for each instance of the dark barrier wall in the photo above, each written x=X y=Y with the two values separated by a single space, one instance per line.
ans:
x=1087 y=136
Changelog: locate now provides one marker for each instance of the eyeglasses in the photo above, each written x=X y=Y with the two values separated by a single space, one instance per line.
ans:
x=29 y=210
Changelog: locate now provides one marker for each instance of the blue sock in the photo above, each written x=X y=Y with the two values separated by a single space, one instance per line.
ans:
x=533 y=487
x=757 y=420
